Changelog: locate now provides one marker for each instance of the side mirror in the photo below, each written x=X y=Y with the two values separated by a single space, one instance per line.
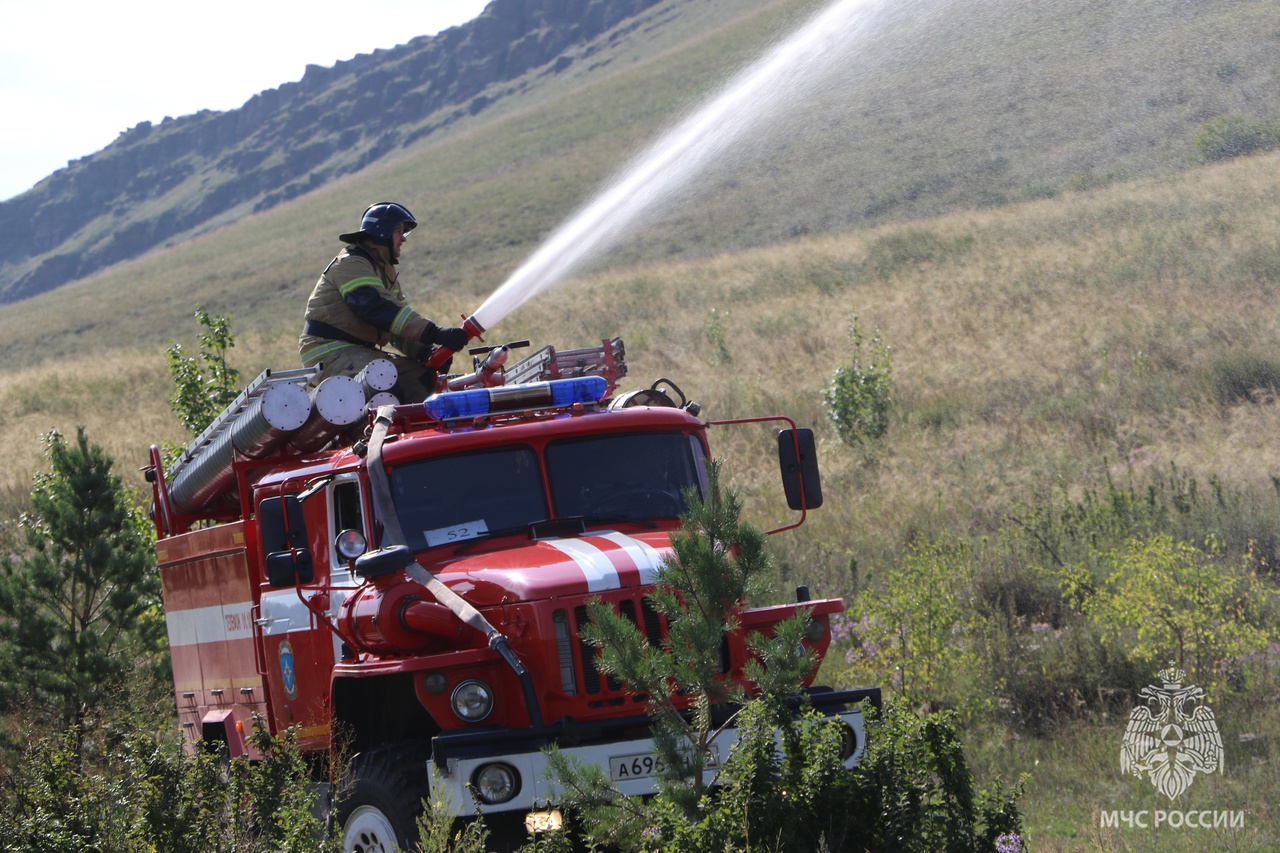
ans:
x=284 y=542
x=798 y=458
x=290 y=568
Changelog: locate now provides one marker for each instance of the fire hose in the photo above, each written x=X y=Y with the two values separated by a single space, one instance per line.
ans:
x=393 y=536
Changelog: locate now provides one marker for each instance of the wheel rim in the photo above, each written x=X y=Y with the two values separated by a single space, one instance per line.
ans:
x=368 y=831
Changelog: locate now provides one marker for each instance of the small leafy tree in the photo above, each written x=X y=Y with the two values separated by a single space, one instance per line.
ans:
x=917 y=630
x=860 y=396
x=201 y=393
x=1169 y=600
x=70 y=606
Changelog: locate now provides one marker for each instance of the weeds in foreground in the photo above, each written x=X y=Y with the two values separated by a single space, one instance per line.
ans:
x=144 y=793
x=784 y=787
x=1070 y=607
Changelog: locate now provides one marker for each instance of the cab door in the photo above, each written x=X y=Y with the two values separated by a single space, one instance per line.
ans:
x=299 y=602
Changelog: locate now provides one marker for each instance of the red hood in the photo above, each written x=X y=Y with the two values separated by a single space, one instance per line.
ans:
x=580 y=565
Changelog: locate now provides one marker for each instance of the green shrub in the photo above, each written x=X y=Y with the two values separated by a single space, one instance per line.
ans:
x=912 y=247
x=944 y=414
x=1238 y=377
x=1225 y=137
x=1046 y=674
x=913 y=791
x=440 y=832
x=915 y=631
x=1166 y=600
x=145 y=794
x=988 y=613
x=860 y=396
x=51 y=803
x=784 y=788
x=714 y=328
x=1078 y=529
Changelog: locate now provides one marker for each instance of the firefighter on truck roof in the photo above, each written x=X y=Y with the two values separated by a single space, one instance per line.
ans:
x=357 y=307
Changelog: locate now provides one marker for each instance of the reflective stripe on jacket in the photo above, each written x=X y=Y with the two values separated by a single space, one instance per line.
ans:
x=359 y=295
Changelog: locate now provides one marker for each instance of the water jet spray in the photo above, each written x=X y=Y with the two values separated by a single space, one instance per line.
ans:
x=776 y=83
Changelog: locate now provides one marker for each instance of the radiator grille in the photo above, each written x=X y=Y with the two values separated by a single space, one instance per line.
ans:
x=647 y=620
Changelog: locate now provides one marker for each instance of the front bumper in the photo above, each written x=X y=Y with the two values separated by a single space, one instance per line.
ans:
x=459 y=757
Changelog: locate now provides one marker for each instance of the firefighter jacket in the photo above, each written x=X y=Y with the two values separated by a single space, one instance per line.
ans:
x=358 y=302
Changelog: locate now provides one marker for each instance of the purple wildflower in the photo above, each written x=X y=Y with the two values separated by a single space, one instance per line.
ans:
x=1010 y=842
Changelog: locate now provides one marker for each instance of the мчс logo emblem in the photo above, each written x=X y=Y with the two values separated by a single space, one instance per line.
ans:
x=288 y=673
x=1172 y=737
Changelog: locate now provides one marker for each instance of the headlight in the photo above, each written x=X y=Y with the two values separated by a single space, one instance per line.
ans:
x=351 y=544
x=496 y=783
x=472 y=701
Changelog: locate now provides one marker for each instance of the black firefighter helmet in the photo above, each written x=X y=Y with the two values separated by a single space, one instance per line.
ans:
x=379 y=220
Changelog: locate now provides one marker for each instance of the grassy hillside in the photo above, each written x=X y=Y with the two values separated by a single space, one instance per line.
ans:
x=1037 y=349
x=1030 y=341
x=963 y=105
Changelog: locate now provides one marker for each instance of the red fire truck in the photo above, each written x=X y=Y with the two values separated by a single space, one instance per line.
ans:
x=409 y=582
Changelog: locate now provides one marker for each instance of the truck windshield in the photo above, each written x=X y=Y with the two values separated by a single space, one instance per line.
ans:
x=471 y=495
x=636 y=476
x=453 y=499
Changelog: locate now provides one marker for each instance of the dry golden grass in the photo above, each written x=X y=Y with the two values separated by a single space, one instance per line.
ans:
x=121 y=399
x=1035 y=347
x=1049 y=339
x=1069 y=335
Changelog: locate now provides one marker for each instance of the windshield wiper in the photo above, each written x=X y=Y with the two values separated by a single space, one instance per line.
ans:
x=547 y=528
x=616 y=519
x=492 y=534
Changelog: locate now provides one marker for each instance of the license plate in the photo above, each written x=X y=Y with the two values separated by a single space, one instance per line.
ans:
x=645 y=764
x=623 y=767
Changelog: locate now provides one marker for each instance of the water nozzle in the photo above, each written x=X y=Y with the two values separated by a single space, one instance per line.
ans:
x=472 y=327
x=442 y=354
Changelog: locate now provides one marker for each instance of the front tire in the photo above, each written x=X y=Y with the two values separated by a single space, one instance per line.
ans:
x=379 y=810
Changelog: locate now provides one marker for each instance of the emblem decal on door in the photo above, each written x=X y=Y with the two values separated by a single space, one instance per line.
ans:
x=288 y=675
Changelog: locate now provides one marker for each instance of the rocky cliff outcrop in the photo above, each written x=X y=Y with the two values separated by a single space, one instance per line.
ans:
x=156 y=182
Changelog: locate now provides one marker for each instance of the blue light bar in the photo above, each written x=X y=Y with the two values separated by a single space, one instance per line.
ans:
x=554 y=394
